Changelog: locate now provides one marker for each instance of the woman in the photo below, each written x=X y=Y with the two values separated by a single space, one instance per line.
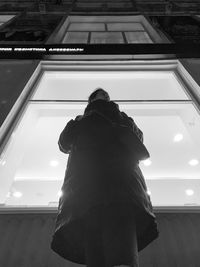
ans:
x=105 y=215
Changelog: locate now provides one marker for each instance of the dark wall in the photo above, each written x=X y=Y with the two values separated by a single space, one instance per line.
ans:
x=179 y=29
x=25 y=241
x=156 y=6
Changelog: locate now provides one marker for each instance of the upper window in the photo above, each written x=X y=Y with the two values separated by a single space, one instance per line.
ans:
x=112 y=29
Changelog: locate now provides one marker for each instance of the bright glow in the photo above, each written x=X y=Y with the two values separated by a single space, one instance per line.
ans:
x=17 y=194
x=54 y=163
x=8 y=194
x=178 y=137
x=148 y=192
x=193 y=162
x=147 y=162
x=2 y=162
x=189 y=192
x=60 y=193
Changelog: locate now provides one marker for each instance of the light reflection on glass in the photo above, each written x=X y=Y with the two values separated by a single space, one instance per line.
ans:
x=54 y=163
x=60 y=193
x=17 y=194
x=189 y=192
x=178 y=137
x=148 y=192
x=193 y=162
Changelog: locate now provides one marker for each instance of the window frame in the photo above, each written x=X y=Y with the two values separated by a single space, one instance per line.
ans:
x=190 y=86
x=59 y=34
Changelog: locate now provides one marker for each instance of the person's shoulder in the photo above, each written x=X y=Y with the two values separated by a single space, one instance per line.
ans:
x=124 y=115
x=79 y=117
x=113 y=104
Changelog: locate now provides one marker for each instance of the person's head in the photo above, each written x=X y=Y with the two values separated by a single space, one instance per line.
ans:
x=99 y=93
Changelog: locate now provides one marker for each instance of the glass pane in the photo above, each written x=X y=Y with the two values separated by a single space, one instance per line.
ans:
x=32 y=163
x=76 y=37
x=174 y=192
x=122 y=85
x=86 y=27
x=106 y=37
x=138 y=37
x=32 y=167
x=125 y=26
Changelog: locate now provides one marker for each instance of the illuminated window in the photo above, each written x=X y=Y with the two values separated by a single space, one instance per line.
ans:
x=32 y=167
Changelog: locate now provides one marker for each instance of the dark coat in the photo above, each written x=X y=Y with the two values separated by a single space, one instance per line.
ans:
x=100 y=170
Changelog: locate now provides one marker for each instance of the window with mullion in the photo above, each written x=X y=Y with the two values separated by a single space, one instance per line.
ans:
x=106 y=32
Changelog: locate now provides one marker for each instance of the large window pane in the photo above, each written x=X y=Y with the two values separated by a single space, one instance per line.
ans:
x=33 y=166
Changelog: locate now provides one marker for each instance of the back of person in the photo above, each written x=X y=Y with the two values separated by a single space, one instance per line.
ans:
x=105 y=215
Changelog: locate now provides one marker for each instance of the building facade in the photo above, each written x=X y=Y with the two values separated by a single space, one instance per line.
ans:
x=161 y=91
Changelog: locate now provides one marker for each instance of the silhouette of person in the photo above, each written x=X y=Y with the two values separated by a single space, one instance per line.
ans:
x=105 y=216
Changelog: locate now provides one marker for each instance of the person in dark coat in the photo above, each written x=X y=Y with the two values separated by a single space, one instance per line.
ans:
x=105 y=216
